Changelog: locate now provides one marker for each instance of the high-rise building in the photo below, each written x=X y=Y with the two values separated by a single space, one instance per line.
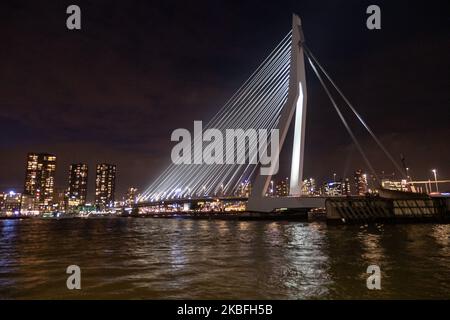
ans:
x=78 y=179
x=333 y=189
x=360 y=183
x=40 y=179
x=282 y=188
x=244 y=189
x=399 y=185
x=346 y=190
x=105 y=184
x=337 y=188
x=309 y=187
x=131 y=196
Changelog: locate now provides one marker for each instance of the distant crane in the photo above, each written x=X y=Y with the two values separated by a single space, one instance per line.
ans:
x=402 y=158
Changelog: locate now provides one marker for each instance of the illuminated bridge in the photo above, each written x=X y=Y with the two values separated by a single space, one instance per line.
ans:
x=271 y=98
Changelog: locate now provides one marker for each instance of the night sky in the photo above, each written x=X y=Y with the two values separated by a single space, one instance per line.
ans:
x=115 y=90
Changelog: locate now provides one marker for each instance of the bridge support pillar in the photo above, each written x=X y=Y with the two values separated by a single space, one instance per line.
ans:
x=295 y=105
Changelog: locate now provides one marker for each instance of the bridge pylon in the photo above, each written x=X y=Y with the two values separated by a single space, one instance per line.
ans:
x=293 y=110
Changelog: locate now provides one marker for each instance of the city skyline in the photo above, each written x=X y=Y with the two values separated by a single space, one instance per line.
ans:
x=238 y=153
x=40 y=195
x=79 y=173
x=112 y=125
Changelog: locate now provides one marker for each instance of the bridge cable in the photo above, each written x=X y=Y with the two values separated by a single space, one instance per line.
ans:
x=341 y=116
x=264 y=91
x=358 y=116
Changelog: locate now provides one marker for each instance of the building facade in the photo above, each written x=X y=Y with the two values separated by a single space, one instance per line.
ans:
x=12 y=203
x=333 y=189
x=105 y=185
x=60 y=200
x=282 y=188
x=346 y=189
x=131 y=196
x=28 y=205
x=397 y=185
x=40 y=180
x=244 y=189
x=361 y=187
x=78 y=183
x=9 y=203
x=309 y=187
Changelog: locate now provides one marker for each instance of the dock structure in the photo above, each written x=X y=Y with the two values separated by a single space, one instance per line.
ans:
x=389 y=206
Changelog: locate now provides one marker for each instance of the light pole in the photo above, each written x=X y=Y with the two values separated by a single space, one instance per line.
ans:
x=334 y=177
x=435 y=179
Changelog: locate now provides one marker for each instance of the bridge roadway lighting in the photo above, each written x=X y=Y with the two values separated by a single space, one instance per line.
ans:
x=435 y=179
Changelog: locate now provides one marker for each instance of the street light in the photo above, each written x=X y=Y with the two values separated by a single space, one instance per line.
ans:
x=435 y=179
x=334 y=177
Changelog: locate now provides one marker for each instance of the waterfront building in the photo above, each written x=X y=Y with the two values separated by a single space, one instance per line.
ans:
x=10 y=203
x=60 y=200
x=337 y=188
x=397 y=185
x=40 y=180
x=360 y=179
x=105 y=185
x=346 y=189
x=131 y=196
x=309 y=187
x=282 y=188
x=333 y=189
x=28 y=206
x=244 y=189
x=78 y=182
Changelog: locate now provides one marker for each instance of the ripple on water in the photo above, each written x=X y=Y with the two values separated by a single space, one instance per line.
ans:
x=160 y=258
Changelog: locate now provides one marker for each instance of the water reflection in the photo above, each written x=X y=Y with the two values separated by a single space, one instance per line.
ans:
x=160 y=258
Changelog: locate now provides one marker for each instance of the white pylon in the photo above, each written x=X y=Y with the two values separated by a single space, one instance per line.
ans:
x=295 y=104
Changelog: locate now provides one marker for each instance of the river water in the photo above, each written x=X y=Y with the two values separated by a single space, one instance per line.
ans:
x=147 y=258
